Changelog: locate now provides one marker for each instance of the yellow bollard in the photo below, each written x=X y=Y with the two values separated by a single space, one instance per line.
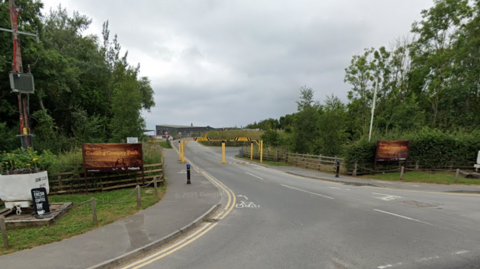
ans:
x=251 y=151
x=179 y=151
x=223 y=152
x=261 y=150
x=183 y=152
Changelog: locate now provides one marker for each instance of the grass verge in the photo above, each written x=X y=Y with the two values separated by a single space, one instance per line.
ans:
x=79 y=219
x=264 y=161
x=164 y=144
x=446 y=178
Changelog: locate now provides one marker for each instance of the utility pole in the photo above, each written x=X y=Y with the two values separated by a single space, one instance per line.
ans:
x=20 y=82
x=373 y=111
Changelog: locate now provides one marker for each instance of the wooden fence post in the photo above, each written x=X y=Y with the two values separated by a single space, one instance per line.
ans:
x=456 y=175
x=417 y=166
x=3 y=227
x=94 y=211
x=59 y=177
x=139 y=201
x=402 y=170
x=286 y=157
x=355 y=166
x=319 y=166
x=276 y=157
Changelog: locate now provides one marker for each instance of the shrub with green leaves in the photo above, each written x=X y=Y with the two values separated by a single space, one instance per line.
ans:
x=21 y=159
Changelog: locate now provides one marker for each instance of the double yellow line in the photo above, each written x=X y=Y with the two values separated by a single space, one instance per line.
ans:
x=198 y=233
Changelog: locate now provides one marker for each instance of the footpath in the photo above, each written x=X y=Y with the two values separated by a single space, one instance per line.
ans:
x=347 y=180
x=182 y=208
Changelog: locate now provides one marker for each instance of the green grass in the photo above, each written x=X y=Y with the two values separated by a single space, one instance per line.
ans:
x=425 y=177
x=264 y=161
x=164 y=144
x=79 y=219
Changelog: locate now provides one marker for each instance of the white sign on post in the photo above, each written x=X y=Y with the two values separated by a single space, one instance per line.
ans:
x=132 y=140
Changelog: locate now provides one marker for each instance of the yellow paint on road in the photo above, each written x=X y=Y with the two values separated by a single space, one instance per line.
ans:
x=231 y=201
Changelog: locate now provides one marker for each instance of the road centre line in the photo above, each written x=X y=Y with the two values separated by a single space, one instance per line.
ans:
x=293 y=188
x=253 y=175
x=403 y=217
x=174 y=246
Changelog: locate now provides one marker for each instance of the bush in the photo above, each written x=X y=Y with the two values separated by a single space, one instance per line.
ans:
x=152 y=153
x=23 y=159
x=430 y=148
x=68 y=161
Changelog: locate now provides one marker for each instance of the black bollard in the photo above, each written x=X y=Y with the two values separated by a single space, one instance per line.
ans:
x=338 y=169
x=188 y=174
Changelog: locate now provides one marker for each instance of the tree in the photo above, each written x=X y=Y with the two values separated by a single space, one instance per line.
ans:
x=332 y=128
x=305 y=121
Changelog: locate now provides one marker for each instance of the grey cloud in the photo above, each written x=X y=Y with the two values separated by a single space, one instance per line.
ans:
x=233 y=62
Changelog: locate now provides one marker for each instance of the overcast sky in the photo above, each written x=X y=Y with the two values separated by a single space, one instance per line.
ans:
x=233 y=62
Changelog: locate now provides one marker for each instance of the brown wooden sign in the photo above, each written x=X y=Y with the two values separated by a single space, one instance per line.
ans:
x=112 y=157
x=392 y=151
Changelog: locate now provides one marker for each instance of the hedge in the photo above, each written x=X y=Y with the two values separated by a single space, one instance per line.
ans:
x=432 y=149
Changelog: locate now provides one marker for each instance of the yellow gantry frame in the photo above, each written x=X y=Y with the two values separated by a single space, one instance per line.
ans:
x=183 y=145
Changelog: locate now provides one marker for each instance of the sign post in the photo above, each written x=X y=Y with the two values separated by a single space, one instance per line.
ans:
x=40 y=202
x=188 y=174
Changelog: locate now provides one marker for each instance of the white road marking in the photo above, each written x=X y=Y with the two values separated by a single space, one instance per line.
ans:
x=253 y=175
x=246 y=205
x=293 y=188
x=421 y=260
x=386 y=197
x=404 y=217
x=246 y=198
x=335 y=188
x=183 y=172
x=428 y=259
x=389 y=265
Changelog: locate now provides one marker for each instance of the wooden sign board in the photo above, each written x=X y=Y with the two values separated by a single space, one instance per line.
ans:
x=388 y=151
x=112 y=157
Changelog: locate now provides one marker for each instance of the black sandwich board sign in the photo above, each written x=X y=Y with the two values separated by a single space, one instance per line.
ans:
x=40 y=201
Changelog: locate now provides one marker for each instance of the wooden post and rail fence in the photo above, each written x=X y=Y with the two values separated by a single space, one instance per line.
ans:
x=308 y=161
x=70 y=182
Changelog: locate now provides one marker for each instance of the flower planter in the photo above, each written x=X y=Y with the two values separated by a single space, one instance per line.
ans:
x=15 y=190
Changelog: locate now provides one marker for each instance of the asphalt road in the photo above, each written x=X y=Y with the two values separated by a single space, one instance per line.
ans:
x=284 y=221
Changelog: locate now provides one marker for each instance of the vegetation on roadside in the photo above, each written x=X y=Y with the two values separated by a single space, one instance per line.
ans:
x=79 y=219
x=427 y=93
x=164 y=144
x=425 y=177
x=85 y=89
x=67 y=161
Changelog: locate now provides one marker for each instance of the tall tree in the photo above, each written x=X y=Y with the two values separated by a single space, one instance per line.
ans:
x=306 y=121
